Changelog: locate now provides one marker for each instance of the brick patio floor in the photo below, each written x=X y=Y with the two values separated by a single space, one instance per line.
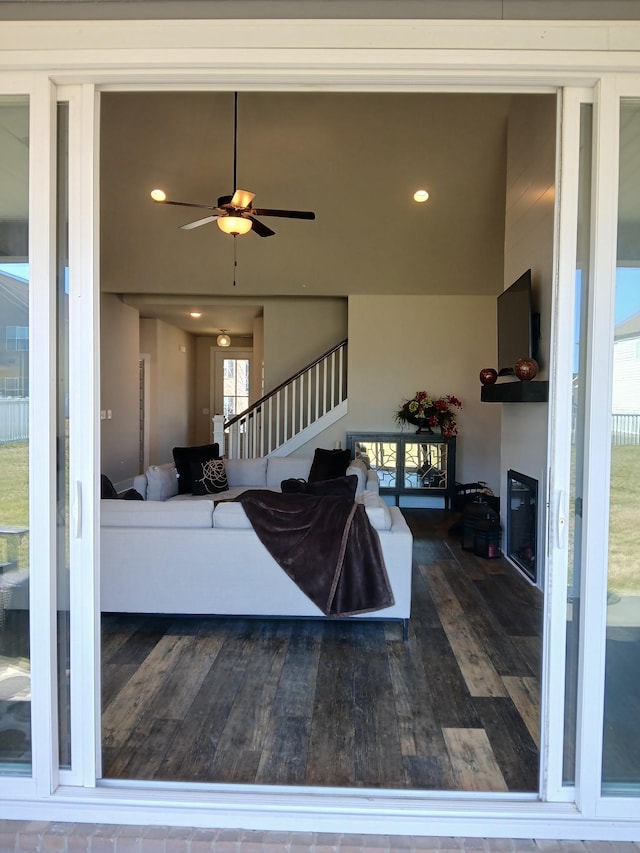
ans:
x=43 y=837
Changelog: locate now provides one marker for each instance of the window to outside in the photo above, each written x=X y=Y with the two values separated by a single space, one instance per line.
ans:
x=235 y=387
x=15 y=668
x=621 y=746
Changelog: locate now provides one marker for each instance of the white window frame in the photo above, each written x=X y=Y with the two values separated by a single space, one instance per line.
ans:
x=334 y=55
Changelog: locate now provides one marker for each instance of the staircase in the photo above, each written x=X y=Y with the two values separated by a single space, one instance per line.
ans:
x=295 y=412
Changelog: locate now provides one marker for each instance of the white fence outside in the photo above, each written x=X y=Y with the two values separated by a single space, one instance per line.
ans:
x=14 y=419
x=625 y=428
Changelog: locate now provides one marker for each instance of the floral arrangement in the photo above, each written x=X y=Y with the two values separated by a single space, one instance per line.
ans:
x=427 y=412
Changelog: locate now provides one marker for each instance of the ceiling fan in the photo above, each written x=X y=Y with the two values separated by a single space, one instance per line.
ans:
x=234 y=214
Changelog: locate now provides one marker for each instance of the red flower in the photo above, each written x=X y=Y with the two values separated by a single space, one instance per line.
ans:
x=436 y=412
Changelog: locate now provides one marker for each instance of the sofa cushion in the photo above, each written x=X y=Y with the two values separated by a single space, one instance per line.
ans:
x=187 y=514
x=377 y=510
x=328 y=464
x=280 y=468
x=184 y=456
x=162 y=482
x=209 y=478
x=342 y=487
x=231 y=515
x=247 y=472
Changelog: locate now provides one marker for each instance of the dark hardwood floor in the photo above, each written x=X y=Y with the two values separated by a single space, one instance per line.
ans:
x=344 y=703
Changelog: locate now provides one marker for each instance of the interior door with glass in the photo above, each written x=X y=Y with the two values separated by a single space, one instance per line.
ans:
x=231 y=381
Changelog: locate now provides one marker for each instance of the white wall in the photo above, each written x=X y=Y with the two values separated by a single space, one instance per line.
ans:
x=529 y=244
x=298 y=330
x=172 y=387
x=256 y=389
x=402 y=344
x=120 y=348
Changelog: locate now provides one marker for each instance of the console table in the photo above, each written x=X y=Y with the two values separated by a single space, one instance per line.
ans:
x=409 y=464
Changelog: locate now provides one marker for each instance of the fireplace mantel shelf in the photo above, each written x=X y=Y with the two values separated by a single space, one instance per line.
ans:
x=516 y=392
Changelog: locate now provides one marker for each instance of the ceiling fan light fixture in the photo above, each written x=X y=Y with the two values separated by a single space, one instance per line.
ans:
x=223 y=340
x=234 y=225
x=420 y=196
x=158 y=195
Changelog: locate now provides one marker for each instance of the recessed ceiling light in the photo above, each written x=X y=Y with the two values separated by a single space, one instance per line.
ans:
x=420 y=195
x=195 y=314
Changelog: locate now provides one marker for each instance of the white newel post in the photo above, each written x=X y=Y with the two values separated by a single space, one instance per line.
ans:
x=218 y=432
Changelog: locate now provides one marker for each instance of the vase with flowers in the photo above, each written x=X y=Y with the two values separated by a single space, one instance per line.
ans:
x=427 y=412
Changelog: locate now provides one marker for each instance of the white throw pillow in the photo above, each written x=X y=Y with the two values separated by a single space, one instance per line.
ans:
x=162 y=482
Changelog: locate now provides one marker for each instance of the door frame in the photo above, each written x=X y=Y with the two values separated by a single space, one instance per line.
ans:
x=216 y=357
x=365 y=55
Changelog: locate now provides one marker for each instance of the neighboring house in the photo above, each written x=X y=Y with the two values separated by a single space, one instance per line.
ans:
x=589 y=64
x=14 y=336
x=626 y=367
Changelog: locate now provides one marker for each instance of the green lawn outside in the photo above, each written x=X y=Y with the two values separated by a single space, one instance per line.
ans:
x=624 y=520
x=14 y=493
x=14 y=483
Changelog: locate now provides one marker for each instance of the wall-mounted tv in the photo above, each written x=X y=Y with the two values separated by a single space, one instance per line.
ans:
x=517 y=326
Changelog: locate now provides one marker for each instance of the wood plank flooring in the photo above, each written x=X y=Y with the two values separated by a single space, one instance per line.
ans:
x=344 y=703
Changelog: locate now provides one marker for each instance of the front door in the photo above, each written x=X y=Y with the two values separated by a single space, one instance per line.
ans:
x=231 y=390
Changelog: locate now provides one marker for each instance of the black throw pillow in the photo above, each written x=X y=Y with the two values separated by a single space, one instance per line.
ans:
x=341 y=487
x=209 y=478
x=107 y=489
x=328 y=464
x=184 y=456
x=131 y=495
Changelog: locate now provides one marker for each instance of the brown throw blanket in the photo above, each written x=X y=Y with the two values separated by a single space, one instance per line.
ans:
x=326 y=545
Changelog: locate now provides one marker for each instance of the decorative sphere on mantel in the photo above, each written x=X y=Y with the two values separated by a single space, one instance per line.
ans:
x=488 y=375
x=526 y=369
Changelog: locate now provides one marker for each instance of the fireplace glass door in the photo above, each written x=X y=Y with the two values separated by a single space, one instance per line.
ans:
x=522 y=522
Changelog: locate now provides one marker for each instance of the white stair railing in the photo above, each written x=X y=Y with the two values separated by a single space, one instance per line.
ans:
x=292 y=407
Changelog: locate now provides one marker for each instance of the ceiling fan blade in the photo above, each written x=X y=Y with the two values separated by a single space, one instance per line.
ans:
x=188 y=204
x=198 y=222
x=242 y=198
x=289 y=214
x=260 y=228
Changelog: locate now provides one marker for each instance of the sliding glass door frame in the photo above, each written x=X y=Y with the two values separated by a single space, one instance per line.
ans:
x=604 y=245
x=606 y=99
x=42 y=412
x=565 y=811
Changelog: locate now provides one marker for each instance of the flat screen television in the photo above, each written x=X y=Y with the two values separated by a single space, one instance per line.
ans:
x=517 y=327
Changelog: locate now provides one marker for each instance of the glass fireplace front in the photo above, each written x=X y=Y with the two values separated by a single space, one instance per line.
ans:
x=522 y=522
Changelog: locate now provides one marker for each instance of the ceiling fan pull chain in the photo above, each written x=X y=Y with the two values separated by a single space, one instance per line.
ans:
x=235 y=259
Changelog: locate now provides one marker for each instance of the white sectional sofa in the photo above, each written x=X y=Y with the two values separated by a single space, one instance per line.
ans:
x=187 y=555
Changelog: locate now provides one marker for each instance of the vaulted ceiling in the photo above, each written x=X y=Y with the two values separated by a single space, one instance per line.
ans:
x=353 y=158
